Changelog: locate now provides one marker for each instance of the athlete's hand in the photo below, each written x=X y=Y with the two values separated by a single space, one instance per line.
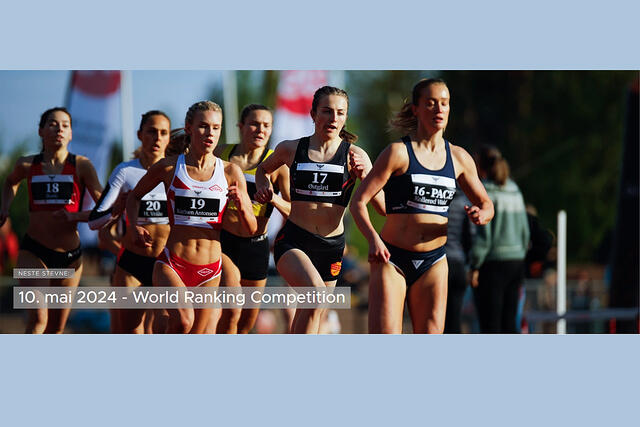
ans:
x=378 y=252
x=234 y=195
x=477 y=215
x=63 y=215
x=356 y=162
x=264 y=194
x=142 y=237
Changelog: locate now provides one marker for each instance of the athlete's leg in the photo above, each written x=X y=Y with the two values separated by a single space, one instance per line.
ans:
x=57 y=319
x=37 y=322
x=131 y=320
x=204 y=315
x=297 y=270
x=228 y=323
x=427 y=300
x=249 y=315
x=387 y=290
x=180 y=319
x=159 y=321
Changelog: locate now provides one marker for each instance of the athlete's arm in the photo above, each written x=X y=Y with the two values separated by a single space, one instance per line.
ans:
x=237 y=192
x=102 y=213
x=10 y=188
x=481 y=212
x=89 y=177
x=156 y=174
x=282 y=155
x=107 y=238
x=89 y=180
x=392 y=159
x=361 y=165
x=282 y=201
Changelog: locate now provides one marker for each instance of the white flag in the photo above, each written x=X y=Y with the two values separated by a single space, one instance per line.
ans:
x=295 y=94
x=94 y=104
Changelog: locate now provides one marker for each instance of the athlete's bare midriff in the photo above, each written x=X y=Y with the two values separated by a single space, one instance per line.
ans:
x=415 y=232
x=324 y=219
x=193 y=244
x=53 y=233
x=159 y=234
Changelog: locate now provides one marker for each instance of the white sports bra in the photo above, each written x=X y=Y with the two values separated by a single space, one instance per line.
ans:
x=197 y=203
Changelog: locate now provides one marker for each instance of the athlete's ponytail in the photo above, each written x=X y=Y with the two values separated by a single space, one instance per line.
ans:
x=490 y=160
x=351 y=138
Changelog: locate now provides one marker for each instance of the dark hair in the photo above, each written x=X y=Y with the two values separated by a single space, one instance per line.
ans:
x=404 y=121
x=179 y=140
x=490 y=160
x=45 y=115
x=146 y=116
x=247 y=109
x=178 y=143
x=330 y=90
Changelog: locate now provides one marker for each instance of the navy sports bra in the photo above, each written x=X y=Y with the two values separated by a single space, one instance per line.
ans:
x=421 y=190
x=328 y=182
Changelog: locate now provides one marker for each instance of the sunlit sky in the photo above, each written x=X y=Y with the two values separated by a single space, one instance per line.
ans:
x=24 y=95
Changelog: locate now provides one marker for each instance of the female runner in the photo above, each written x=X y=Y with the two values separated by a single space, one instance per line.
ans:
x=419 y=176
x=308 y=250
x=198 y=185
x=245 y=256
x=135 y=262
x=56 y=180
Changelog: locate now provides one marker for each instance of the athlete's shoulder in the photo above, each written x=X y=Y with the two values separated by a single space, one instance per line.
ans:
x=288 y=144
x=231 y=168
x=165 y=164
x=26 y=161
x=22 y=167
x=460 y=154
x=357 y=150
x=397 y=148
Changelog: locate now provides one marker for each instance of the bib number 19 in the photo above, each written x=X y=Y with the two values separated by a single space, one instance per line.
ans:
x=197 y=203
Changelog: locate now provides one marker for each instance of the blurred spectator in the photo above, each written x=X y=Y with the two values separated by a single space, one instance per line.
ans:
x=9 y=246
x=499 y=248
x=457 y=248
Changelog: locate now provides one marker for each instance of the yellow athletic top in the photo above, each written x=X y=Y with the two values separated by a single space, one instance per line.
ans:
x=259 y=209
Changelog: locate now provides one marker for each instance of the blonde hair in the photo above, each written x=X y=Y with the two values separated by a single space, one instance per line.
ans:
x=179 y=141
x=405 y=121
